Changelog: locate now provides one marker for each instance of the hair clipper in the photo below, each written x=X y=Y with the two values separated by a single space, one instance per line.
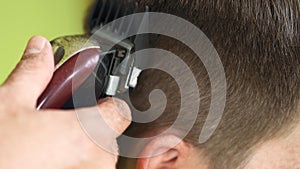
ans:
x=87 y=72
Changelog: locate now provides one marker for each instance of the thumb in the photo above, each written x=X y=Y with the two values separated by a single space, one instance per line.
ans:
x=32 y=74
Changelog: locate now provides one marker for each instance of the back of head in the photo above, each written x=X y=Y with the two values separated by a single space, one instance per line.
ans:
x=258 y=43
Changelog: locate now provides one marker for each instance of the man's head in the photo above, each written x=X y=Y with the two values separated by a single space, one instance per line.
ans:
x=258 y=43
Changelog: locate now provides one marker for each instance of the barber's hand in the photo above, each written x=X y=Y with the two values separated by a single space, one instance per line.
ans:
x=51 y=139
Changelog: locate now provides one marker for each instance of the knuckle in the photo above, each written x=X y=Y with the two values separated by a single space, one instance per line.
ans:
x=25 y=66
x=30 y=62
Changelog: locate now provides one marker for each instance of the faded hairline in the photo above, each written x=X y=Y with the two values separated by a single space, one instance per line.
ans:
x=258 y=42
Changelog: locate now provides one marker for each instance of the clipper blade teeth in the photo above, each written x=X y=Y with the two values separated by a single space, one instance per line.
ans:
x=106 y=11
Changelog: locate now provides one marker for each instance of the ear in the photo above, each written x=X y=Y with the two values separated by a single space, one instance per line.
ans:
x=167 y=152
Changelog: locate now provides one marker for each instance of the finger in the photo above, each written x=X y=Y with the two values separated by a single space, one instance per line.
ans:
x=105 y=122
x=32 y=73
x=116 y=114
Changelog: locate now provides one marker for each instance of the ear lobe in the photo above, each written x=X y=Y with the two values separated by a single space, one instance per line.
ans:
x=167 y=151
x=165 y=160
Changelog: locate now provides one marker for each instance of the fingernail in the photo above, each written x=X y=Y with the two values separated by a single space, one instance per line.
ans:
x=35 y=45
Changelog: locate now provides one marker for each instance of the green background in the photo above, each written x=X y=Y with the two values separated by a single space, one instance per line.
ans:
x=22 y=19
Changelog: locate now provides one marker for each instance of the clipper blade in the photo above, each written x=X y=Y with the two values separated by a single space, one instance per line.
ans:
x=106 y=11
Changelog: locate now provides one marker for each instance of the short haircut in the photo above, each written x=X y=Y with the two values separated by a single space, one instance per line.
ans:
x=258 y=43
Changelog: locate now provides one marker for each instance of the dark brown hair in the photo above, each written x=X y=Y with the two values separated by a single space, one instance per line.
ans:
x=258 y=43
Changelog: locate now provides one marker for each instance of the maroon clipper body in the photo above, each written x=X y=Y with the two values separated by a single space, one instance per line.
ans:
x=68 y=78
